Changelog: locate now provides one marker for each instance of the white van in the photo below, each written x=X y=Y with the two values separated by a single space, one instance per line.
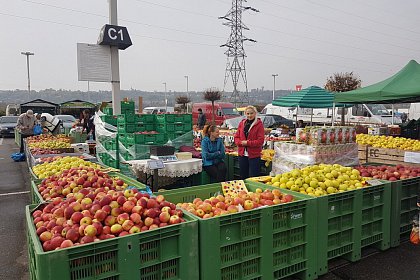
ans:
x=158 y=110
x=357 y=114
x=12 y=110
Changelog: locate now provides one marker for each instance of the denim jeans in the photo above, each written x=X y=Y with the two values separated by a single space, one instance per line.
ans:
x=249 y=167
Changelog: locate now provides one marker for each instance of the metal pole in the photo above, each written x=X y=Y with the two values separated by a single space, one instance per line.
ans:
x=392 y=113
x=188 y=93
x=27 y=66
x=274 y=83
x=166 y=99
x=333 y=113
x=297 y=110
x=312 y=114
x=115 y=62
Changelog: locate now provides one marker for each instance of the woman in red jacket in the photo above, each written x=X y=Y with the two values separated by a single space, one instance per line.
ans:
x=250 y=138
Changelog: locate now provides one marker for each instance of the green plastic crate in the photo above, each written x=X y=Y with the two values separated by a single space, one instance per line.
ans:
x=146 y=118
x=107 y=110
x=144 y=139
x=127 y=128
x=376 y=216
x=264 y=243
x=110 y=144
x=166 y=253
x=110 y=119
x=403 y=208
x=174 y=118
x=174 y=127
x=127 y=119
x=145 y=127
x=36 y=197
x=235 y=170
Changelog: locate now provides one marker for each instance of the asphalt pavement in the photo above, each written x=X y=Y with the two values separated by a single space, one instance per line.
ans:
x=402 y=263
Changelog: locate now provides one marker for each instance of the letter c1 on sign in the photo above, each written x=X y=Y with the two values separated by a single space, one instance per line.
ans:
x=113 y=35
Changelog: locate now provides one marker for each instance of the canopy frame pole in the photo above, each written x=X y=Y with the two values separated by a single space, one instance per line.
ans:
x=312 y=114
x=297 y=110
x=392 y=113
x=332 y=117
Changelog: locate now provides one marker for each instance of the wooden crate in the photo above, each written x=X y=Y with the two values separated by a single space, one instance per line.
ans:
x=362 y=152
x=387 y=156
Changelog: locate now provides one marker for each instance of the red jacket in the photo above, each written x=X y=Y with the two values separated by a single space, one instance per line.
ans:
x=255 y=138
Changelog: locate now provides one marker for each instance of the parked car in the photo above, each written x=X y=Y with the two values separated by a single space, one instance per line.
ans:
x=66 y=120
x=222 y=111
x=158 y=110
x=7 y=125
x=269 y=121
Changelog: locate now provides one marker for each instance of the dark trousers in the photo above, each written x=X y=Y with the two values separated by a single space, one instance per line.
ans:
x=249 y=167
x=22 y=148
x=217 y=172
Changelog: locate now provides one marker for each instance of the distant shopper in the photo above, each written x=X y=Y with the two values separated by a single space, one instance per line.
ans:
x=88 y=124
x=250 y=138
x=300 y=124
x=201 y=122
x=404 y=117
x=213 y=154
x=25 y=126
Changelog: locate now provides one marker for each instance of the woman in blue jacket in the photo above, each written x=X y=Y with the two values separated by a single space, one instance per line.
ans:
x=213 y=154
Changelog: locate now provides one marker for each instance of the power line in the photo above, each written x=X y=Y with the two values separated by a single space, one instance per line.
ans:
x=339 y=22
x=173 y=8
x=361 y=17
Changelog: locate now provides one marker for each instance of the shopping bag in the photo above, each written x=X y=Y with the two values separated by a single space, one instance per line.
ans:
x=37 y=129
x=414 y=236
x=18 y=157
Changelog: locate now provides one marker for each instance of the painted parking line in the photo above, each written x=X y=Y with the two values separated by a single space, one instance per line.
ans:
x=13 y=193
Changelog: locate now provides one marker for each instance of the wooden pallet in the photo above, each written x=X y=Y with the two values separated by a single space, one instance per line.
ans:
x=362 y=153
x=387 y=156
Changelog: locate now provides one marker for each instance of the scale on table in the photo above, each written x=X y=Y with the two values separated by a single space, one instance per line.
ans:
x=165 y=158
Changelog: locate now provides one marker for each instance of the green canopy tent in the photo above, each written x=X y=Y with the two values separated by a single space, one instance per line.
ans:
x=403 y=87
x=311 y=97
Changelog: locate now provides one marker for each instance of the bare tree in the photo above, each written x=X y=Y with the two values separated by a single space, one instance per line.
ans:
x=183 y=100
x=212 y=95
x=342 y=82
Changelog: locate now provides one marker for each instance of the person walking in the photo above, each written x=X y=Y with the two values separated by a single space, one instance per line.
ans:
x=250 y=138
x=213 y=154
x=25 y=126
x=201 y=122
x=88 y=124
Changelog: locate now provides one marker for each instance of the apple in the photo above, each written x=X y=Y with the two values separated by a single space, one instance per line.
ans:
x=135 y=229
x=154 y=226
x=121 y=200
x=174 y=220
x=127 y=225
x=148 y=221
x=86 y=239
x=45 y=236
x=136 y=218
x=40 y=230
x=232 y=209
x=100 y=215
x=128 y=206
x=116 y=211
x=110 y=220
x=72 y=235
x=98 y=227
x=66 y=244
x=86 y=221
x=152 y=203
x=122 y=218
x=116 y=229
x=160 y=198
x=248 y=205
x=164 y=217
x=137 y=209
x=165 y=209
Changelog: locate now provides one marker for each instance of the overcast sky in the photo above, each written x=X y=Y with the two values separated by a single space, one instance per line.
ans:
x=303 y=41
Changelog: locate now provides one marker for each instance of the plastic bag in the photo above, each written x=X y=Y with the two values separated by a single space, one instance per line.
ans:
x=414 y=236
x=37 y=129
x=18 y=157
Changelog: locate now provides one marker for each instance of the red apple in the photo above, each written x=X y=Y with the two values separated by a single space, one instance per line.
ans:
x=174 y=220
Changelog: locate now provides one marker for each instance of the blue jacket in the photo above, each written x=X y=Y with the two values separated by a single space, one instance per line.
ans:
x=212 y=152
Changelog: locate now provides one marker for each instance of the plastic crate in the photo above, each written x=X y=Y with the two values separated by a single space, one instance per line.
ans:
x=146 y=139
x=165 y=253
x=110 y=144
x=235 y=170
x=127 y=128
x=127 y=119
x=107 y=110
x=174 y=127
x=403 y=208
x=146 y=118
x=338 y=227
x=110 y=119
x=376 y=216
x=37 y=198
x=145 y=127
x=264 y=243
x=174 y=118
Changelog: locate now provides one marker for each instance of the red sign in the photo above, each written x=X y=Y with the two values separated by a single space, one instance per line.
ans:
x=298 y=87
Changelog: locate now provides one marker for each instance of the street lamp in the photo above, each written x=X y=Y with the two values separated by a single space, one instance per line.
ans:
x=274 y=81
x=188 y=94
x=27 y=66
x=166 y=99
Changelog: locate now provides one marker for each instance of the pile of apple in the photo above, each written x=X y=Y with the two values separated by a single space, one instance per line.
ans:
x=223 y=205
x=40 y=151
x=390 y=173
x=71 y=222
x=79 y=182
x=51 y=159
x=389 y=142
x=43 y=137
x=46 y=170
x=50 y=144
